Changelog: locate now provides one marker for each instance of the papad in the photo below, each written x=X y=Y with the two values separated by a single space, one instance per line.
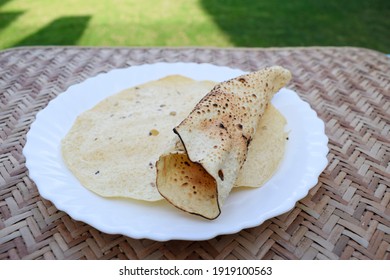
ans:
x=112 y=148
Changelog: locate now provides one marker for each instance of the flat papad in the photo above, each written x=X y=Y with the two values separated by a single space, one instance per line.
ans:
x=112 y=148
x=198 y=172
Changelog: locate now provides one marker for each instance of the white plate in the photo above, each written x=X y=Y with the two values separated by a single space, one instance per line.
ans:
x=304 y=160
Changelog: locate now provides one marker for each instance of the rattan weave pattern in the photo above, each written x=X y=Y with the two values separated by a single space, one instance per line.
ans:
x=345 y=216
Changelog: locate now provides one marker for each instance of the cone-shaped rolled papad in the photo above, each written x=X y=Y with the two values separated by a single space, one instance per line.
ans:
x=199 y=172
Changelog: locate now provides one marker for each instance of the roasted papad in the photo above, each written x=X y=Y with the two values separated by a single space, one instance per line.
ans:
x=112 y=148
x=198 y=172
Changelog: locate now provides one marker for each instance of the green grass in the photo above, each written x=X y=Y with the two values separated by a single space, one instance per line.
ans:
x=220 y=23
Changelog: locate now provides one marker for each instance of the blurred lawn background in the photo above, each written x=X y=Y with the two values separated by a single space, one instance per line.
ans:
x=219 y=23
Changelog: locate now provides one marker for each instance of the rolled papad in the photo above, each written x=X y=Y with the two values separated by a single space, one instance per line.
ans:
x=197 y=174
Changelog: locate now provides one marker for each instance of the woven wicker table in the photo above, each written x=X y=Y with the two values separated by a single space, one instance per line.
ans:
x=345 y=216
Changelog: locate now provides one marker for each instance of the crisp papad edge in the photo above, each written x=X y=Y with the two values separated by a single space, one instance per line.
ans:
x=198 y=173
